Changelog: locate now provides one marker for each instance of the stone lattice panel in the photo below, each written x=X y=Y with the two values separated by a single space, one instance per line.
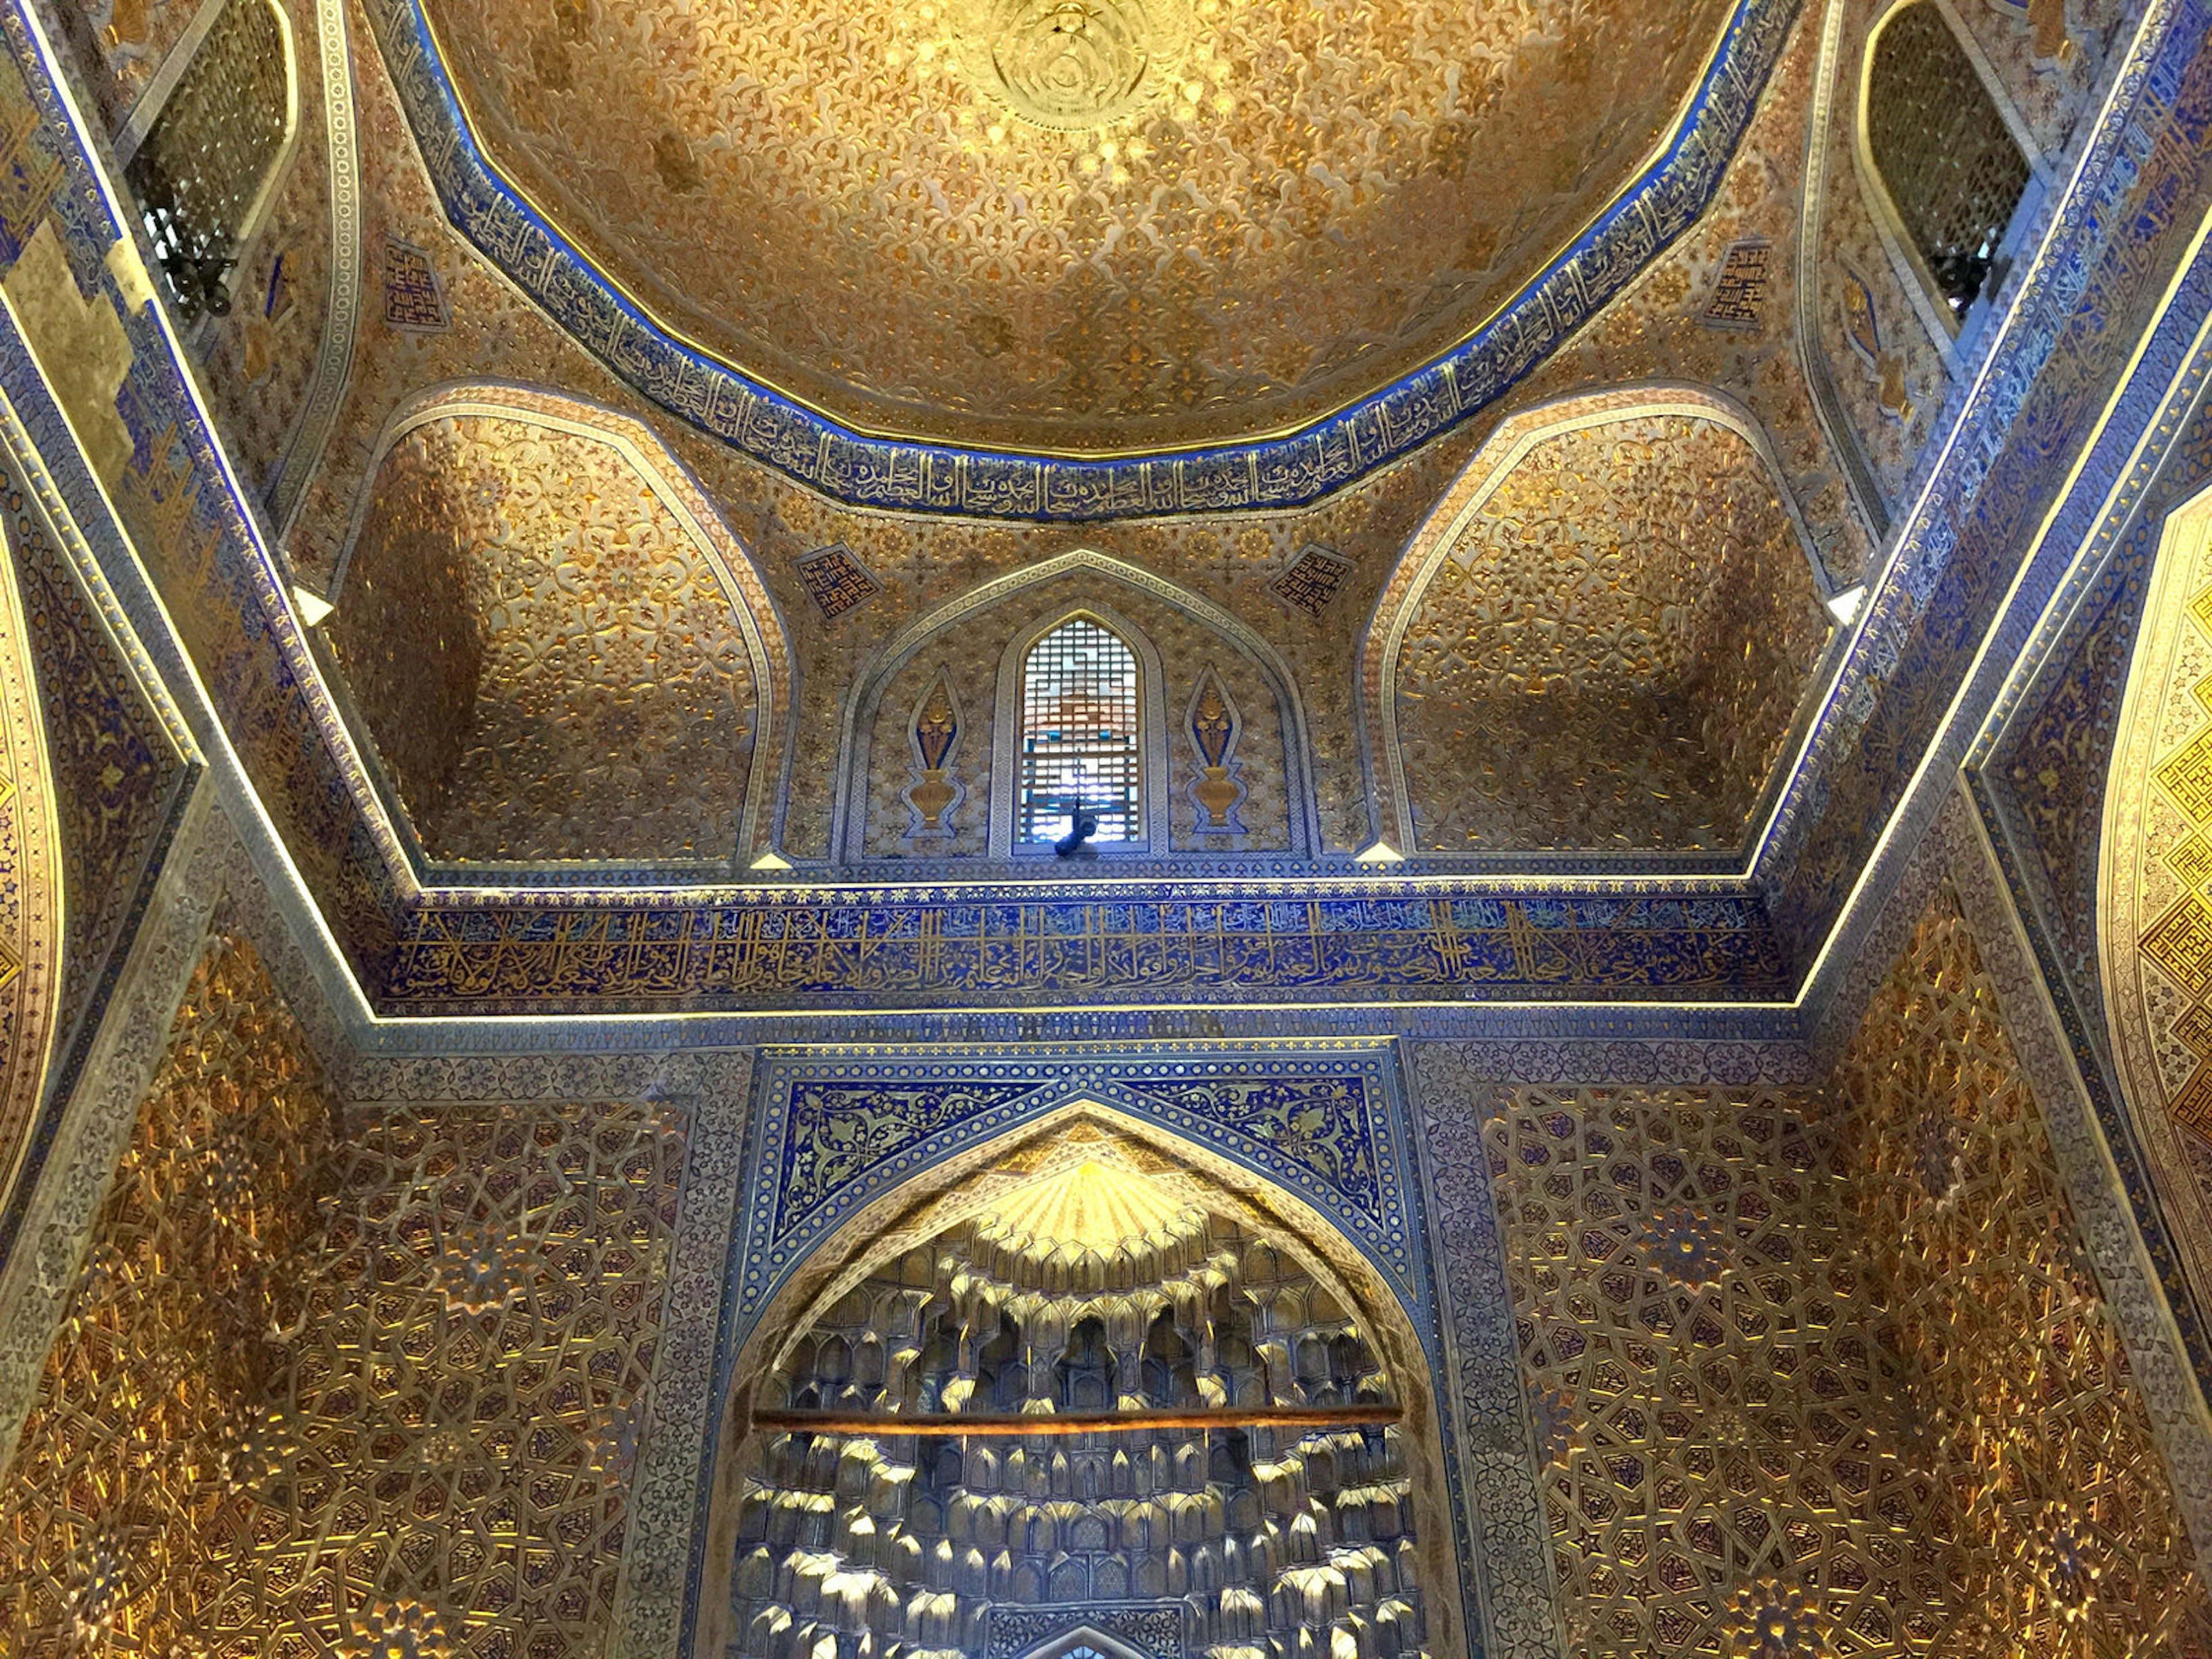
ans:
x=2067 y=1539
x=1720 y=1466
x=125 y=1496
x=1614 y=653
x=575 y=684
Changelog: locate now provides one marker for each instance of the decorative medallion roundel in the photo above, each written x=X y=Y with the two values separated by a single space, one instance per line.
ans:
x=1072 y=64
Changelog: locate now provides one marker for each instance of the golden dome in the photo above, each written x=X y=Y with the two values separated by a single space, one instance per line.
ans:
x=1073 y=225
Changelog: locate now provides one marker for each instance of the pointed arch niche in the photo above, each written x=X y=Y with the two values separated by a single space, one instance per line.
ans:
x=1603 y=639
x=1947 y=161
x=554 y=647
x=2153 y=905
x=977 y=645
x=1282 y=1467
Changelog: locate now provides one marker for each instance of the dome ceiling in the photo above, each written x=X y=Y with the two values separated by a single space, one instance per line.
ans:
x=1073 y=226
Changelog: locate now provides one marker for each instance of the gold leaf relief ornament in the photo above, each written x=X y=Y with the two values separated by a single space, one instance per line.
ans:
x=1685 y=1244
x=1213 y=730
x=398 y=1630
x=936 y=729
x=1071 y=65
x=484 y=1266
x=1769 y=1620
x=96 y=1587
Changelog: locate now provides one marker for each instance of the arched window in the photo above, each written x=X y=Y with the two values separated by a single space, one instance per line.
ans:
x=1941 y=150
x=210 y=157
x=1079 y=737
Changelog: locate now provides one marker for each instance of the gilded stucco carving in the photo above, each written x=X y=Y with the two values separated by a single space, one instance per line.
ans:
x=118 y=780
x=1803 y=1392
x=1723 y=1469
x=32 y=902
x=1653 y=330
x=323 y=1394
x=2063 y=1525
x=1612 y=650
x=149 y=1420
x=1135 y=221
x=545 y=653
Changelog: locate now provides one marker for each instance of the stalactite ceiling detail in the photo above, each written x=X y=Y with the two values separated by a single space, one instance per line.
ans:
x=1092 y=1290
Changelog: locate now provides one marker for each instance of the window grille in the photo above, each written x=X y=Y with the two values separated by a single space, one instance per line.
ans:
x=1079 y=735
x=1952 y=168
x=204 y=162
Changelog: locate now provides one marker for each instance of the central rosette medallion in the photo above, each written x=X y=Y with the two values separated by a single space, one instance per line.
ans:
x=1071 y=64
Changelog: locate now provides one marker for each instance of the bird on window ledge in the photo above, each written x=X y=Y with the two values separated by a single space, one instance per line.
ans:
x=1083 y=824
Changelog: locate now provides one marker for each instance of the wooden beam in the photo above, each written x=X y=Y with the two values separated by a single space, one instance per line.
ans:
x=884 y=1425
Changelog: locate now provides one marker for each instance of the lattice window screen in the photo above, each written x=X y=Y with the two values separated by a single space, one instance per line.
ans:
x=1952 y=168
x=1079 y=734
x=202 y=166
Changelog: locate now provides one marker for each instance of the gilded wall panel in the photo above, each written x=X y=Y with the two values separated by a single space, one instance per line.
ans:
x=2064 y=1535
x=31 y=900
x=1612 y=651
x=449 y=1446
x=2152 y=869
x=119 y=788
x=132 y=1470
x=322 y=1394
x=545 y=652
x=1722 y=1468
x=1212 y=230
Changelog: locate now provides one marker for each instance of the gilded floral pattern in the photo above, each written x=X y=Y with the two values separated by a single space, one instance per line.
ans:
x=364 y=1394
x=544 y=653
x=1612 y=652
x=2063 y=1532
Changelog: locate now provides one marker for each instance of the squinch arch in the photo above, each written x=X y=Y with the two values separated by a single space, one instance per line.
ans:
x=1626 y=575
x=559 y=652
x=990 y=1228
